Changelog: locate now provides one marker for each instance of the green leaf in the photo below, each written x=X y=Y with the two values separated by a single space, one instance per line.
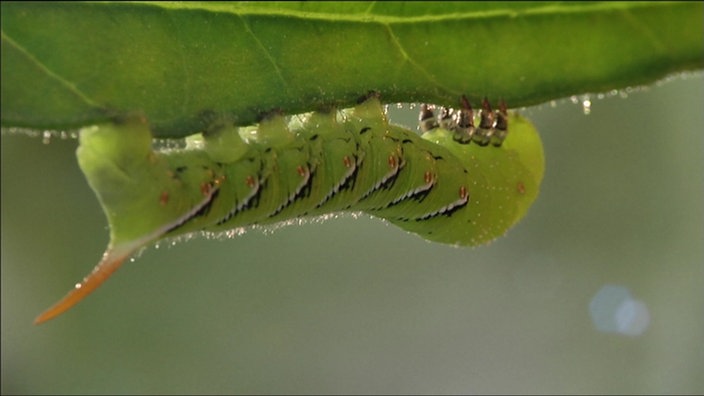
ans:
x=67 y=65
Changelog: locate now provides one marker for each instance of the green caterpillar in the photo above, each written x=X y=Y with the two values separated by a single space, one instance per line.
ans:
x=444 y=185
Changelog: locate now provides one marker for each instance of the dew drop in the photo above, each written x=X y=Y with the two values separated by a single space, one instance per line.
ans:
x=587 y=106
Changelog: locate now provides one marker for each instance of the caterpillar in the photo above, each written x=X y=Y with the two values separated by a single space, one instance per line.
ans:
x=465 y=181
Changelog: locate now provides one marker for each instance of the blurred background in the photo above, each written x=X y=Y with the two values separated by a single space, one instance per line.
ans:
x=354 y=305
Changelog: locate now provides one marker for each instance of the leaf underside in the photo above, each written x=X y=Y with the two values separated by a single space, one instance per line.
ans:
x=183 y=65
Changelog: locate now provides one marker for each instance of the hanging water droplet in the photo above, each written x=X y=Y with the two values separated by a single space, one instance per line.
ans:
x=586 y=106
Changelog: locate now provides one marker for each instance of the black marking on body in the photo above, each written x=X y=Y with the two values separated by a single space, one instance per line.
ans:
x=447 y=211
x=302 y=191
x=248 y=202
x=350 y=180
x=307 y=188
x=206 y=208
x=387 y=182
x=342 y=184
x=420 y=193
x=251 y=202
x=202 y=211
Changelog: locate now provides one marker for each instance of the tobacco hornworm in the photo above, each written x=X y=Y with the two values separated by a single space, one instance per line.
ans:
x=458 y=183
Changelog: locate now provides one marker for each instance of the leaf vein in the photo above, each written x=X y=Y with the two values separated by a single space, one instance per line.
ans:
x=71 y=87
x=438 y=87
x=266 y=52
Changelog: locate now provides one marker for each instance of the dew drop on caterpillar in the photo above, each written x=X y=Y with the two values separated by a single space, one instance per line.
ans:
x=465 y=181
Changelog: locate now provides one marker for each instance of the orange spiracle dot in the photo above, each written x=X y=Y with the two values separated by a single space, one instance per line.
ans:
x=301 y=171
x=346 y=160
x=164 y=198
x=205 y=188
x=393 y=164
x=463 y=192
x=428 y=177
x=521 y=188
